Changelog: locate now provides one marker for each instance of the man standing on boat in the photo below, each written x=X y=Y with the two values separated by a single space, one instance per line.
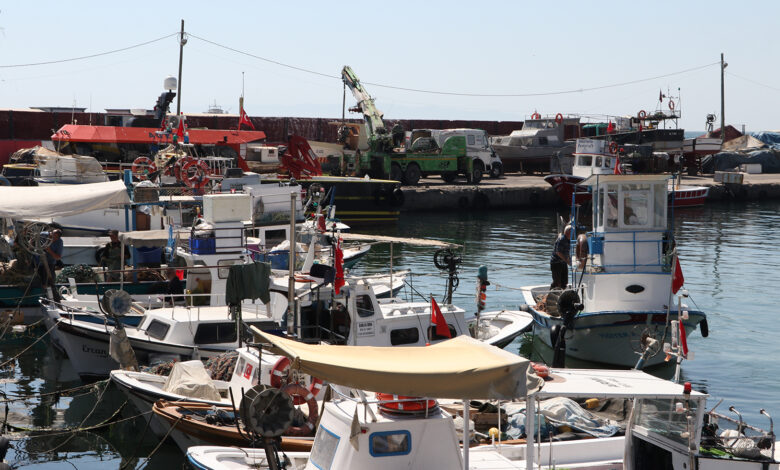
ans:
x=561 y=260
x=111 y=256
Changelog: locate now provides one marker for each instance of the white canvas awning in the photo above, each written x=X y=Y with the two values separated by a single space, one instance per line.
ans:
x=150 y=238
x=605 y=383
x=349 y=236
x=24 y=202
x=459 y=368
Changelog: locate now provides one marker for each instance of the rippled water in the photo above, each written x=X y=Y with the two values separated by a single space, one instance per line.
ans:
x=728 y=259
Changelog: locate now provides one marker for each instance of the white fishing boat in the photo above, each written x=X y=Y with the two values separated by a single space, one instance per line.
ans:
x=405 y=428
x=621 y=293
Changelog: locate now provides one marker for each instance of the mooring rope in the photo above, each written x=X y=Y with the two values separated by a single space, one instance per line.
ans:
x=159 y=444
x=64 y=393
x=48 y=432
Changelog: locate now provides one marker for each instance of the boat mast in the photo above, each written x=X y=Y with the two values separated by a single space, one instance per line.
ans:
x=182 y=42
x=723 y=66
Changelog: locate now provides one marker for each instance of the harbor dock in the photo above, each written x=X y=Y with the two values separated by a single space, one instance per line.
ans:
x=523 y=191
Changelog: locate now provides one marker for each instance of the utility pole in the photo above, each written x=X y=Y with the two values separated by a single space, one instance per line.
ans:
x=182 y=42
x=723 y=66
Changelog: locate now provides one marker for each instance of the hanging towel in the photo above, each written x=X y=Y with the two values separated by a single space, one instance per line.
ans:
x=248 y=281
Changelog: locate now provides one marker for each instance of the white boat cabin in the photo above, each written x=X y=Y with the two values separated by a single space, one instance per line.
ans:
x=629 y=250
x=593 y=157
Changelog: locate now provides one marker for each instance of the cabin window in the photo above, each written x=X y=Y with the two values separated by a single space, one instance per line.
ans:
x=542 y=140
x=432 y=336
x=404 y=336
x=389 y=443
x=212 y=333
x=471 y=140
x=324 y=448
x=611 y=205
x=636 y=206
x=364 y=306
x=479 y=140
x=598 y=162
x=157 y=329
x=584 y=160
x=608 y=162
x=659 y=206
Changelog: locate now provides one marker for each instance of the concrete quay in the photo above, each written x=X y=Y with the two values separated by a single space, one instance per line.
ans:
x=524 y=191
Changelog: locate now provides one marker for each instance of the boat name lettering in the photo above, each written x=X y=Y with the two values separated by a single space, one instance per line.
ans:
x=99 y=352
x=365 y=328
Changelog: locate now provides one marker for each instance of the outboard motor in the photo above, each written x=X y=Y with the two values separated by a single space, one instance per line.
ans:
x=569 y=306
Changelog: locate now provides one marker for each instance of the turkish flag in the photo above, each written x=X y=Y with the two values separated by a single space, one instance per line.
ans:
x=338 y=283
x=610 y=128
x=244 y=119
x=618 y=171
x=442 y=329
x=180 y=129
x=683 y=339
x=677 y=276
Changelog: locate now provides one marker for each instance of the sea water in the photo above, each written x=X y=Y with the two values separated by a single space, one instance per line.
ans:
x=728 y=253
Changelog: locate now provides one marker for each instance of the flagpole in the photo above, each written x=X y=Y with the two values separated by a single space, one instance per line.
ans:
x=182 y=42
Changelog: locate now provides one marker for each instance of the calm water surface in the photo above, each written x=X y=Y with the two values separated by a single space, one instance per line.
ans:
x=728 y=256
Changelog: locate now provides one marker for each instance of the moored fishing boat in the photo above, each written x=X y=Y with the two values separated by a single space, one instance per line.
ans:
x=623 y=281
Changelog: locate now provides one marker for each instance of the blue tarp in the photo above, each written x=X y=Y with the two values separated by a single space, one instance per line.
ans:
x=726 y=161
x=772 y=139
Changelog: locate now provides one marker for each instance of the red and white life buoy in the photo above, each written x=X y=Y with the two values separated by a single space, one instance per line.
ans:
x=299 y=392
x=536 y=116
x=671 y=105
x=613 y=147
x=143 y=167
x=180 y=164
x=411 y=405
x=642 y=114
x=195 y=173
x=281 y=370
x=559 y=118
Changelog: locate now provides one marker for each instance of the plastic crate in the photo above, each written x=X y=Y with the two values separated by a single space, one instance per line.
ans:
x=203 y=246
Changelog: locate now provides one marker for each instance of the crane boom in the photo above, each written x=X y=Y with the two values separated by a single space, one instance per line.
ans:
x=379 y=138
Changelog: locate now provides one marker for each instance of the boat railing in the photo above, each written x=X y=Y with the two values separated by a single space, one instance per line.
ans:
x=654 y=254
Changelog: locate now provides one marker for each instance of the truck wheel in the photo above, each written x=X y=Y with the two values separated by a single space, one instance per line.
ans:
x=449 y=176
x=476 y=173
x=396 y=173
x=496 y=170
x=412 y=174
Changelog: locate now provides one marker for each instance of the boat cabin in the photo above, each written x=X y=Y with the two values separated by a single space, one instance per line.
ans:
x=593 y=157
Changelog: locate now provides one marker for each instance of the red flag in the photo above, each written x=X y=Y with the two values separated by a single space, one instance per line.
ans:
x=180 y=129
x=338 y=283
x=244 y=119
x=442 y=329
x=618 y=171
x=610 y=128
x=661 y=96
x=683 y=340
x=677 y=276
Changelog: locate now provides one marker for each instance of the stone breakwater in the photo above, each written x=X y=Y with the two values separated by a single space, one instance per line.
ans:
x=515 y=191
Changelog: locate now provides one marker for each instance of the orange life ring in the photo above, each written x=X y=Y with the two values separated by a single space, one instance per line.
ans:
x=180 y=164
x=279 y=373
x=389 y=403
x=536 y=116
x=541 y=370
x=671 y=105
x=613 y=147
x=642 y=114
x=298 y=391
x=195 y=173
x=559 y=118
x=142 y=167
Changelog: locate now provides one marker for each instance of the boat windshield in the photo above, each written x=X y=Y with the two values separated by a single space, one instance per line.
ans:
x=659 y=416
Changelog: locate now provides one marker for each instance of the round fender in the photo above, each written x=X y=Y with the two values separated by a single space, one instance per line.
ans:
x=642 y=114
x=559 y=118
x=279 y=372
x=195 y=173
x=613 y=147
x=536 y=116
x=398 y=197
x=704 y=328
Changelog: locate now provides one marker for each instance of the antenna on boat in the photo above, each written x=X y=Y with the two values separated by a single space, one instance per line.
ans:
x=182 y=42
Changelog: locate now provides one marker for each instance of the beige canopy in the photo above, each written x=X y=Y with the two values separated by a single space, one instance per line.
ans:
x=150 y=238
x=20 y=202
x=459 y=368
x=349 y=236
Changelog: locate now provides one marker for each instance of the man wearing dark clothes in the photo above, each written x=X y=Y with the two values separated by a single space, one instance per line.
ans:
x=561 y=260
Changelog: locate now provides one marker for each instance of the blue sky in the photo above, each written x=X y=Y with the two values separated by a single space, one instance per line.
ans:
x=463 y=47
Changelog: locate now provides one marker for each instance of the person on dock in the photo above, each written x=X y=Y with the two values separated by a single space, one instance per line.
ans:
x=111 y=256
x=561 y=260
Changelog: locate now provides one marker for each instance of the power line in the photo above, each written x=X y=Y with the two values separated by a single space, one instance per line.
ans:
x=434 y=92
x=754 y=82
x=60 y=61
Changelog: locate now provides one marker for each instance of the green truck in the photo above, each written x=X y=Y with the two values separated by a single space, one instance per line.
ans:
x=407 y=157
